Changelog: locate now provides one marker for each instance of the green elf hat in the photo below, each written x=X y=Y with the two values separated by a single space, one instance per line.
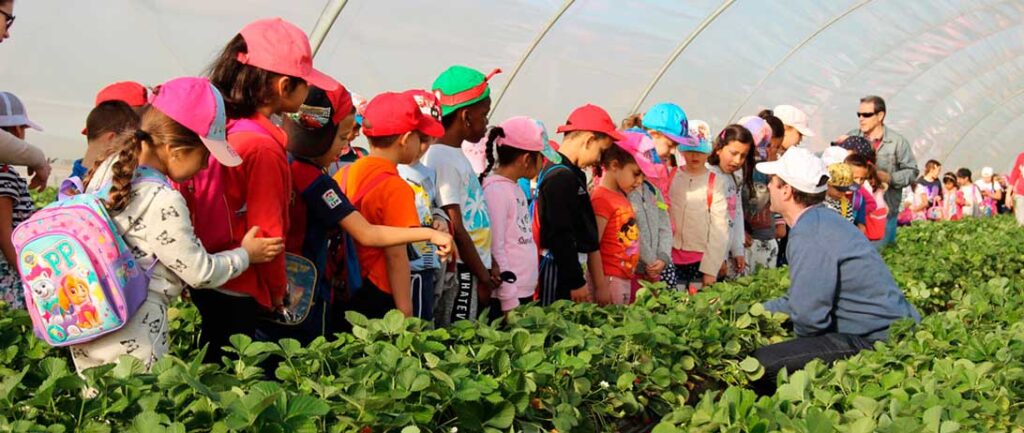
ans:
x=460 y=86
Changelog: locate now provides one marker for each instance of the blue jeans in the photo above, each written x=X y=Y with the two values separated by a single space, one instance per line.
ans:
x=890 y=234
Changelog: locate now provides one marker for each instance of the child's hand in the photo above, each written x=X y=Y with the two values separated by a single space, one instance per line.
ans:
x=654 y=269
x=708 y=280
x=440 y=225
x=261 y=250
x=444 y=244
x=581 y=294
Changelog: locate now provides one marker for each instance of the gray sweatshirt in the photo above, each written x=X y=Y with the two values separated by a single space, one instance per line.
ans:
x=653 y=222
x=839 y=282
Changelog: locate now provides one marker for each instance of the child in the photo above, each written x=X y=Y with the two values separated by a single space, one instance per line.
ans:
x=616 y=220
x=465 y=103
x=426 y=269
x=991 y=191
x=952 y=199
x=731 y=160
x=395 y=125
x=651 y=208
x=317 y=133
x=116 y=110
x=699 y=215
x=564 y=223
x=668 y=127
x=761 y=224
x=514 y=151
x=971 y=194
x=840 y=197
x=15 y=203
x=266 y=69
x=177 y=135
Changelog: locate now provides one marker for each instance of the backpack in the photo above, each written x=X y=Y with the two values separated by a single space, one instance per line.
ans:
x=81 y=280
x=345 y=255
x=875 y=223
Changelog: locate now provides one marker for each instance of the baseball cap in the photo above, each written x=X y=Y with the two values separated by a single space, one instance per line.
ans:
x=460 y=86
x=795 y=117
x=639 y=144
x=800 y=169
x=526 y=133
x=360 y=103
x=761 y=132
x=669 y=119
x=834 y=155
x=699 y=138
x=987 y=171
x=393 y=113
x=278 y=46
x=840 y=176
x=13 y=113
x=591 y=118
x=859 y=145
x=129 y=92
x=196 y=104
x=323 y=107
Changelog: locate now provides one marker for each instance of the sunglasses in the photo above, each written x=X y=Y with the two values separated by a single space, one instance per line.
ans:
x=8 y=18
x=866 y=115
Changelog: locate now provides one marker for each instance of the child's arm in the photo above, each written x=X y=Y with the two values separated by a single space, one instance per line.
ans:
x=399 y=277
x=597 y=278
x=6 y=230
x=172 y=239
x=378 y=236
x=468 y=254
x=718 y=236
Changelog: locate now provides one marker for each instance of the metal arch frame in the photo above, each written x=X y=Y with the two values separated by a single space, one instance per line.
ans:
x=989 y=113
x=325 y=23
x=874 y=59
x=529 y=51
x=793 y=51
x=678 y=51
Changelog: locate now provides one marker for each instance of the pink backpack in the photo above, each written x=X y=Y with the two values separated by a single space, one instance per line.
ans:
x=81 y=281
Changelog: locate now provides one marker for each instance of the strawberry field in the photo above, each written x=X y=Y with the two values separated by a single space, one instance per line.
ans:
x=669 y=363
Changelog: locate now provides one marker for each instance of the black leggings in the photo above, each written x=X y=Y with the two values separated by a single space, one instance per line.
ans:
x=223 y=316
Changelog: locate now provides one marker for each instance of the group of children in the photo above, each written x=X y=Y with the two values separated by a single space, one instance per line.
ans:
x=954 y=195
x=230 y=185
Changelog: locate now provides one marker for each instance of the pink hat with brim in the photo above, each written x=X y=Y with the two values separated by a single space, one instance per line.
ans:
x=196 y=104
x=526 y=133
x=639 y=145
x=276 y=45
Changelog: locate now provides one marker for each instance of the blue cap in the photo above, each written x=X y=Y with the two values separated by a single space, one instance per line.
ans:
x=669 y=119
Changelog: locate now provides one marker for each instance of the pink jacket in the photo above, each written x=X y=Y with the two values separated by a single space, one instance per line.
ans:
x=512 y=243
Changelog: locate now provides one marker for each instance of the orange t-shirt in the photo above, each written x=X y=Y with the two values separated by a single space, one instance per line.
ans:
x=620 y=246
x=390 y=203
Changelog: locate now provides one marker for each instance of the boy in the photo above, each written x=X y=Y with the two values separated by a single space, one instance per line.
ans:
x=426 y=268
x=115 y=111
x=465 y=102
x=395 y=126
x=15 y=202
x=567 y=230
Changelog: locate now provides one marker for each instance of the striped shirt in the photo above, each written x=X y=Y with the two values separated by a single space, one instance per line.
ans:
x=14 y=186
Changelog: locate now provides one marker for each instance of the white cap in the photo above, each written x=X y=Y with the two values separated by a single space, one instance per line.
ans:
x=795 y=117
x=800 y=169
x=987 y=171
x=12 y=112
x=834 y=155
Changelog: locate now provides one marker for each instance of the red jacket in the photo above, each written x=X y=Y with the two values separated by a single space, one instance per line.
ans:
x=255 y=193
x=1015 y=181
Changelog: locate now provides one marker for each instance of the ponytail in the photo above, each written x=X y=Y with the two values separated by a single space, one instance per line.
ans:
x=489 y=150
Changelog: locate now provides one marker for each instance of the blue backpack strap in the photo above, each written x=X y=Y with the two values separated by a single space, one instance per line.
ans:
x=540 y=178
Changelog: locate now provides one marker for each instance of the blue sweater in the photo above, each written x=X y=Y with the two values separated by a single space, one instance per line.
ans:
x=839 y=281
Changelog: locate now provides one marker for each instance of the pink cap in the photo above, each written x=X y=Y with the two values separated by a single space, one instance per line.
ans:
x=279 y=46
x=639 y=145
x=197 y=105
x=522 y=132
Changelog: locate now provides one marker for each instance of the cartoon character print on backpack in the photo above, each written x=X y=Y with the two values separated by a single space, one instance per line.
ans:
x=43 y=288
x=74 y=298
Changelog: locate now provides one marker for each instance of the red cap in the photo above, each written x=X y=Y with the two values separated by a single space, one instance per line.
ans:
x=591 y=118
x=278 y=46
x=397 y=113
x=132 y=93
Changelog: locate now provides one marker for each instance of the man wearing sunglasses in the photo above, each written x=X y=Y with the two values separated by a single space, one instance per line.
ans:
x=894 y=156
x=6 y=18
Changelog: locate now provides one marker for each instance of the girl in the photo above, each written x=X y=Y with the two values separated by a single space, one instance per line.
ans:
x=732 y=160
x=760 y=222
x=15 y=207
x=264 y=70
x=616 y=221
x=971 y=194
x=952 y=199
x=177 y=135
x=651 y=208
x=513 y=152
x=699 y=216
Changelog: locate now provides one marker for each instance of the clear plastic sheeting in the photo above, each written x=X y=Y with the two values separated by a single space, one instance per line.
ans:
x=952 y=72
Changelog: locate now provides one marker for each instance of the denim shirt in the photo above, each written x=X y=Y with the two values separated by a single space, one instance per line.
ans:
x=896 y=157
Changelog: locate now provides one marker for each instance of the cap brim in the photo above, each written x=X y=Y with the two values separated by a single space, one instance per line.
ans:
x=321 y=80
x=677 y=139
x=649 y=169
x=769 y=168
x=431 y=127
x=33 y=125
x=85 y=131
x=805 y=131
x=223 y=152
x=550 y=154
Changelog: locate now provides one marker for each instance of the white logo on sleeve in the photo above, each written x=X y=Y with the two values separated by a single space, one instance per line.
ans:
x=331 y=198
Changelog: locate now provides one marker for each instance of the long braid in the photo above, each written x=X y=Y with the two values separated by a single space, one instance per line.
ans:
x=491 y=138
x=124 y=170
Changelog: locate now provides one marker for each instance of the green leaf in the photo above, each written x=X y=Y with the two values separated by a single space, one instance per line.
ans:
x=817 y=422
x=411 y=429
x=625 y=381
x=750 y=364
x=394 y=322
x=503 y=416
x=665 y=427
x=304 y=406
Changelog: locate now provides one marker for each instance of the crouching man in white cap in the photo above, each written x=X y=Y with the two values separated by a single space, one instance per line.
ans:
x=842 y=296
